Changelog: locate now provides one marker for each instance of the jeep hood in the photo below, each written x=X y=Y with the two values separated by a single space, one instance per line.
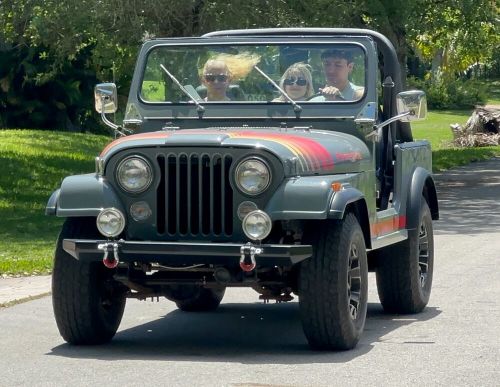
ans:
x=312 y=151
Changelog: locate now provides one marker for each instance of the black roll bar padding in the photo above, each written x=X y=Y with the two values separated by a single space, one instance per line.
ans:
x=385 y=169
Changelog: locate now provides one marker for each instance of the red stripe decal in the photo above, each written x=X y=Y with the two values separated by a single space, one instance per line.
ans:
x=314 y=154
x=389 y=225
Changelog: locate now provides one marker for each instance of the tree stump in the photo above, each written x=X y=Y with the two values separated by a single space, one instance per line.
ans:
x=481 y=129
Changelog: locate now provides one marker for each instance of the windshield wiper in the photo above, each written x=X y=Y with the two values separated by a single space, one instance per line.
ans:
x=296 y=107
x=200 y=109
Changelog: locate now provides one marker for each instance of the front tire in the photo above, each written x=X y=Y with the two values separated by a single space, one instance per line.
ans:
x=333 y=286
x=88 y=304
x=404 y=270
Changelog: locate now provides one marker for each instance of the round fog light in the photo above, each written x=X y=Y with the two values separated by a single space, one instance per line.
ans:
x=110 y=222
x=140 y=211
x=257 y=225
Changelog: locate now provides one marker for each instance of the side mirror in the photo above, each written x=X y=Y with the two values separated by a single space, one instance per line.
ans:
x=414 y=102
x=105 y=94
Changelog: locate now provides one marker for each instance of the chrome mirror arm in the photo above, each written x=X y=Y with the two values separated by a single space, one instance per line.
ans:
x=392 y=119
x=116 y=129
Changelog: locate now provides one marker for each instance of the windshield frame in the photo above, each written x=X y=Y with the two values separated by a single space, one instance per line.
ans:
x=268 y=109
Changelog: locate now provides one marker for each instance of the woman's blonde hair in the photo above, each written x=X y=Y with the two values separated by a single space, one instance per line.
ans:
x=297 y=69
x=215 y=63
x=239 y=65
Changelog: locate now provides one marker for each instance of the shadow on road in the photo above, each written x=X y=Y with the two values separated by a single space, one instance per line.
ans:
x=469 y=199
x=239 y=333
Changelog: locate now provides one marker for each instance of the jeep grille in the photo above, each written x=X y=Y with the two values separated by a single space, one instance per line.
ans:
x=194 y=196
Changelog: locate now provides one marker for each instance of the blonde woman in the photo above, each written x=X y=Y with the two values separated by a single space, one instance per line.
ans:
x=297 y=83
x=218 y=72
x=216 y=78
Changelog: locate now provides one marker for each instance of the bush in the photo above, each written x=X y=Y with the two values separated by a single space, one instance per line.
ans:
x=455 y=94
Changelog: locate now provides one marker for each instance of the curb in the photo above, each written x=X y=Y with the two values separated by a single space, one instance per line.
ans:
x=22 y=289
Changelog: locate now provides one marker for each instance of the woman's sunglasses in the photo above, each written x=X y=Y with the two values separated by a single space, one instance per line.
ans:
x=219 y=77
x=297 y=81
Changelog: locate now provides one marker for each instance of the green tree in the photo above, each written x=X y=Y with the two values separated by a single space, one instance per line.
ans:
x=69 y=45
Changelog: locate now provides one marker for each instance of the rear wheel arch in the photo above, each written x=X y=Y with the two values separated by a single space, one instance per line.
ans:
x=422 y=185
x=430 y=195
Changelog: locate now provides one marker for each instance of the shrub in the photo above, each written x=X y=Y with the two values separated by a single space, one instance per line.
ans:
x=450 y=94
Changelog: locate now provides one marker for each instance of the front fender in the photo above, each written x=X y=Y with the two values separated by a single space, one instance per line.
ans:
x=305 y=197
x=82 y=195
x=341 y=199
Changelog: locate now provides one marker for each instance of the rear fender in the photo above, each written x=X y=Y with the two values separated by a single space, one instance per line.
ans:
x=422 y=185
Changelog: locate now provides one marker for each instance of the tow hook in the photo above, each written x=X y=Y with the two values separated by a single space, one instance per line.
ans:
x=109 y=247
x=247 y=259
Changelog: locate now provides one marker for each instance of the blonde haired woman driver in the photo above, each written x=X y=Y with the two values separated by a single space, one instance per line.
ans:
x=216 y=77
x=297 y=83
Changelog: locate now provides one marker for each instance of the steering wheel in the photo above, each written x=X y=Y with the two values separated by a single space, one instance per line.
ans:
x=314 y=96
x=338 y=97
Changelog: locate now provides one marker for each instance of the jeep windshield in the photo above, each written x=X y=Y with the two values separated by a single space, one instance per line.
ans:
x=223 y=73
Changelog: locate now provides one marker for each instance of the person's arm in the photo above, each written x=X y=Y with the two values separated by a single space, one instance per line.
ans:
x=331 y=93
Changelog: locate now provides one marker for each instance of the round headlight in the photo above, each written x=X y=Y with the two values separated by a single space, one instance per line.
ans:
x=134 y=174
x=252 y=176
x=110 y=222
x=257 y=225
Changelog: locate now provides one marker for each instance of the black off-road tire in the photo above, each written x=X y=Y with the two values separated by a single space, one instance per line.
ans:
x=203 y=300
x=88 y=304
x=404 y=270
x=333 y=286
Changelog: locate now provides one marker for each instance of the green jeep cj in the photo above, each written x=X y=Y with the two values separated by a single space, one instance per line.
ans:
x=277 y=159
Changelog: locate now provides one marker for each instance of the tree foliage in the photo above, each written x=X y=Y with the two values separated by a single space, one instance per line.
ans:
x=52 y=52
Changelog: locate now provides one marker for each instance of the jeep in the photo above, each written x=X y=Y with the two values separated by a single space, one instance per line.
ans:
x=242 y=161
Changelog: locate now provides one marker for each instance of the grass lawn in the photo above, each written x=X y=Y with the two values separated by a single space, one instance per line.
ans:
x=33 y=165
x=436 y=129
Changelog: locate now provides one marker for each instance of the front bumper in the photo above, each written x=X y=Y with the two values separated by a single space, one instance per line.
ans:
x=179 y=253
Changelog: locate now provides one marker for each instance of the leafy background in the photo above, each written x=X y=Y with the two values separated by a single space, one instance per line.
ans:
x=53 y=52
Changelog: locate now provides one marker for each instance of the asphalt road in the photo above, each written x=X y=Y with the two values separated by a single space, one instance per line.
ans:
x=455 y=341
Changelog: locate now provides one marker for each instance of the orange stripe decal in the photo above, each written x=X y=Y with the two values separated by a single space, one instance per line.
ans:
x=388 y=226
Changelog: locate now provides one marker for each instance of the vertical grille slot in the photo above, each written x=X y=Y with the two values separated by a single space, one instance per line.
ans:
x=194 y=208
x=194 y=196
x=227 y=193
x=171 y=194
x=216 y=198
x=160 y=197
x=182 y=196
x=205 y=193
